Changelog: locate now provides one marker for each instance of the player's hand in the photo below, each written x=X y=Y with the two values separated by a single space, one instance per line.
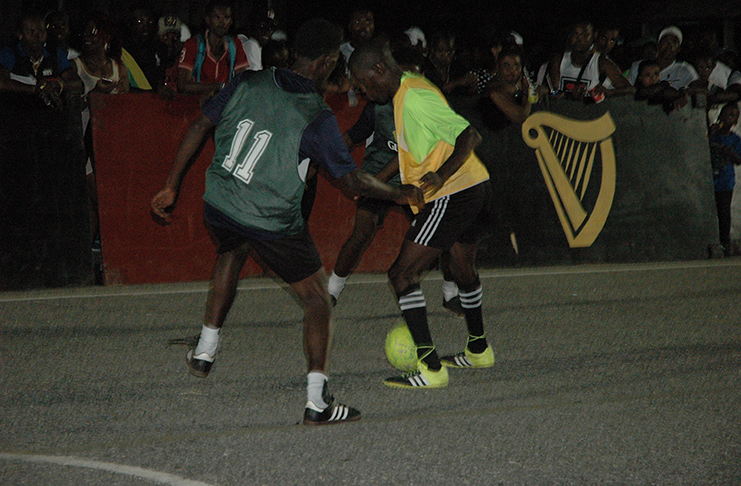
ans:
x=431 y=183
x=411 y=195
x=163 y=204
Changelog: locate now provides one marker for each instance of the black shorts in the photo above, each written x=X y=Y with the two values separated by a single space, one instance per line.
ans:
x=292 y=257
x=464 y=216
x=380 y=208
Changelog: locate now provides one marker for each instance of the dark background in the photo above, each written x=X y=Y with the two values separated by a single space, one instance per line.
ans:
x=539 y=21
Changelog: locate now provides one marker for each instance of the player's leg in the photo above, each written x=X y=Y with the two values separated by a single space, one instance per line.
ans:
x=451 y=301
x=321 y=408
x=364 y=231
x=223 y=288
x=405 y=275
x=312 y=292
x=478 y=353
x=295 y=259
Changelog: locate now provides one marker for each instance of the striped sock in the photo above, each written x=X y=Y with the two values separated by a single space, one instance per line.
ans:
x=414 y=309
x=471 y=303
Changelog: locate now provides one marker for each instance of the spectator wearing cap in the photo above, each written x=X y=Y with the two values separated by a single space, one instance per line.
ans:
x=261 y=29
x=678 y=74
x=409 y=48
x=170 y=33
x=417 y=39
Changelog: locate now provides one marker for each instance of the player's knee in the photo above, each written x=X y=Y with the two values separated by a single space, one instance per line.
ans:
x=400 y=280
x=316 y=302
x=469 y=285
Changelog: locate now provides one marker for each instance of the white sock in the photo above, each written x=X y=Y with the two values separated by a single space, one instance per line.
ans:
x=208 y=343
x=315 y=387
x=335 y=285
x=450 y=290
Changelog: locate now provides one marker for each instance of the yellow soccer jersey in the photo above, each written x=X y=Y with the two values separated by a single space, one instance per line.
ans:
x=426 y=129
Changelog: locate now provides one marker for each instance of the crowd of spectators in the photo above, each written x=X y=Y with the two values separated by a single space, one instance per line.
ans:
x=147 y=51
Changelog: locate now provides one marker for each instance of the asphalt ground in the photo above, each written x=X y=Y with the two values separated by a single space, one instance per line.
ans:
x=605 y=374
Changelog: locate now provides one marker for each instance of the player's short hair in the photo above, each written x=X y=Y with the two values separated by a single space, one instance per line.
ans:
x=214 y=4
x=316 y=38
x=372 y=52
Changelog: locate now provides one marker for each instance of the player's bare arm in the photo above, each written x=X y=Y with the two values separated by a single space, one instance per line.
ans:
x=163 y=202
x=465 y=143
x=388 y=172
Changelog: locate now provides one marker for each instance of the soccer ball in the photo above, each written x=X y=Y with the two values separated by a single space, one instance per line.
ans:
x=400 y=349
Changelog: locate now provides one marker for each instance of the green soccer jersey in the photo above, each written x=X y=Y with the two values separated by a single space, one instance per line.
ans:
x=256 y=177
x=382 y=147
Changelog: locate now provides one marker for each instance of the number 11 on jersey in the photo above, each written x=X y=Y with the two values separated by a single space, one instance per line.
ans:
x=246 y=168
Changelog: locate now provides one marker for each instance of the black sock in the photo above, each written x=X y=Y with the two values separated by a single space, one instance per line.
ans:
x=414 y=309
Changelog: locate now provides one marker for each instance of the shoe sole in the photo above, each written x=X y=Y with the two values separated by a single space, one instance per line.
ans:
x=193 y=371
x=333 y=422
x=410 y=387
x=450 y=364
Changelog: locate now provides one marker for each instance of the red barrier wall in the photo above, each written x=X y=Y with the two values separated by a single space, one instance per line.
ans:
x=135 y=139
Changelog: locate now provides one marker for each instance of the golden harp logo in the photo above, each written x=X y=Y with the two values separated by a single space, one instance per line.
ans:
x=570 y=153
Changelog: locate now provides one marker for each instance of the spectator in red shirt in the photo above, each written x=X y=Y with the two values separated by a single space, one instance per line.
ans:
x=209 y=61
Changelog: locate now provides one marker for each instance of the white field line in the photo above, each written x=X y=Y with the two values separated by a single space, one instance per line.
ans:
x=154 y=476
x=381 y=278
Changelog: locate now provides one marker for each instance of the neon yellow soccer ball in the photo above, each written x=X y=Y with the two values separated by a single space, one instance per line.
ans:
x=400 y=349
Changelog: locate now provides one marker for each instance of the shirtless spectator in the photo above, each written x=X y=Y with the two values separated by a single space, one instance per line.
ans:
x=577 y=71
x=678 y=74
x=209 y=61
